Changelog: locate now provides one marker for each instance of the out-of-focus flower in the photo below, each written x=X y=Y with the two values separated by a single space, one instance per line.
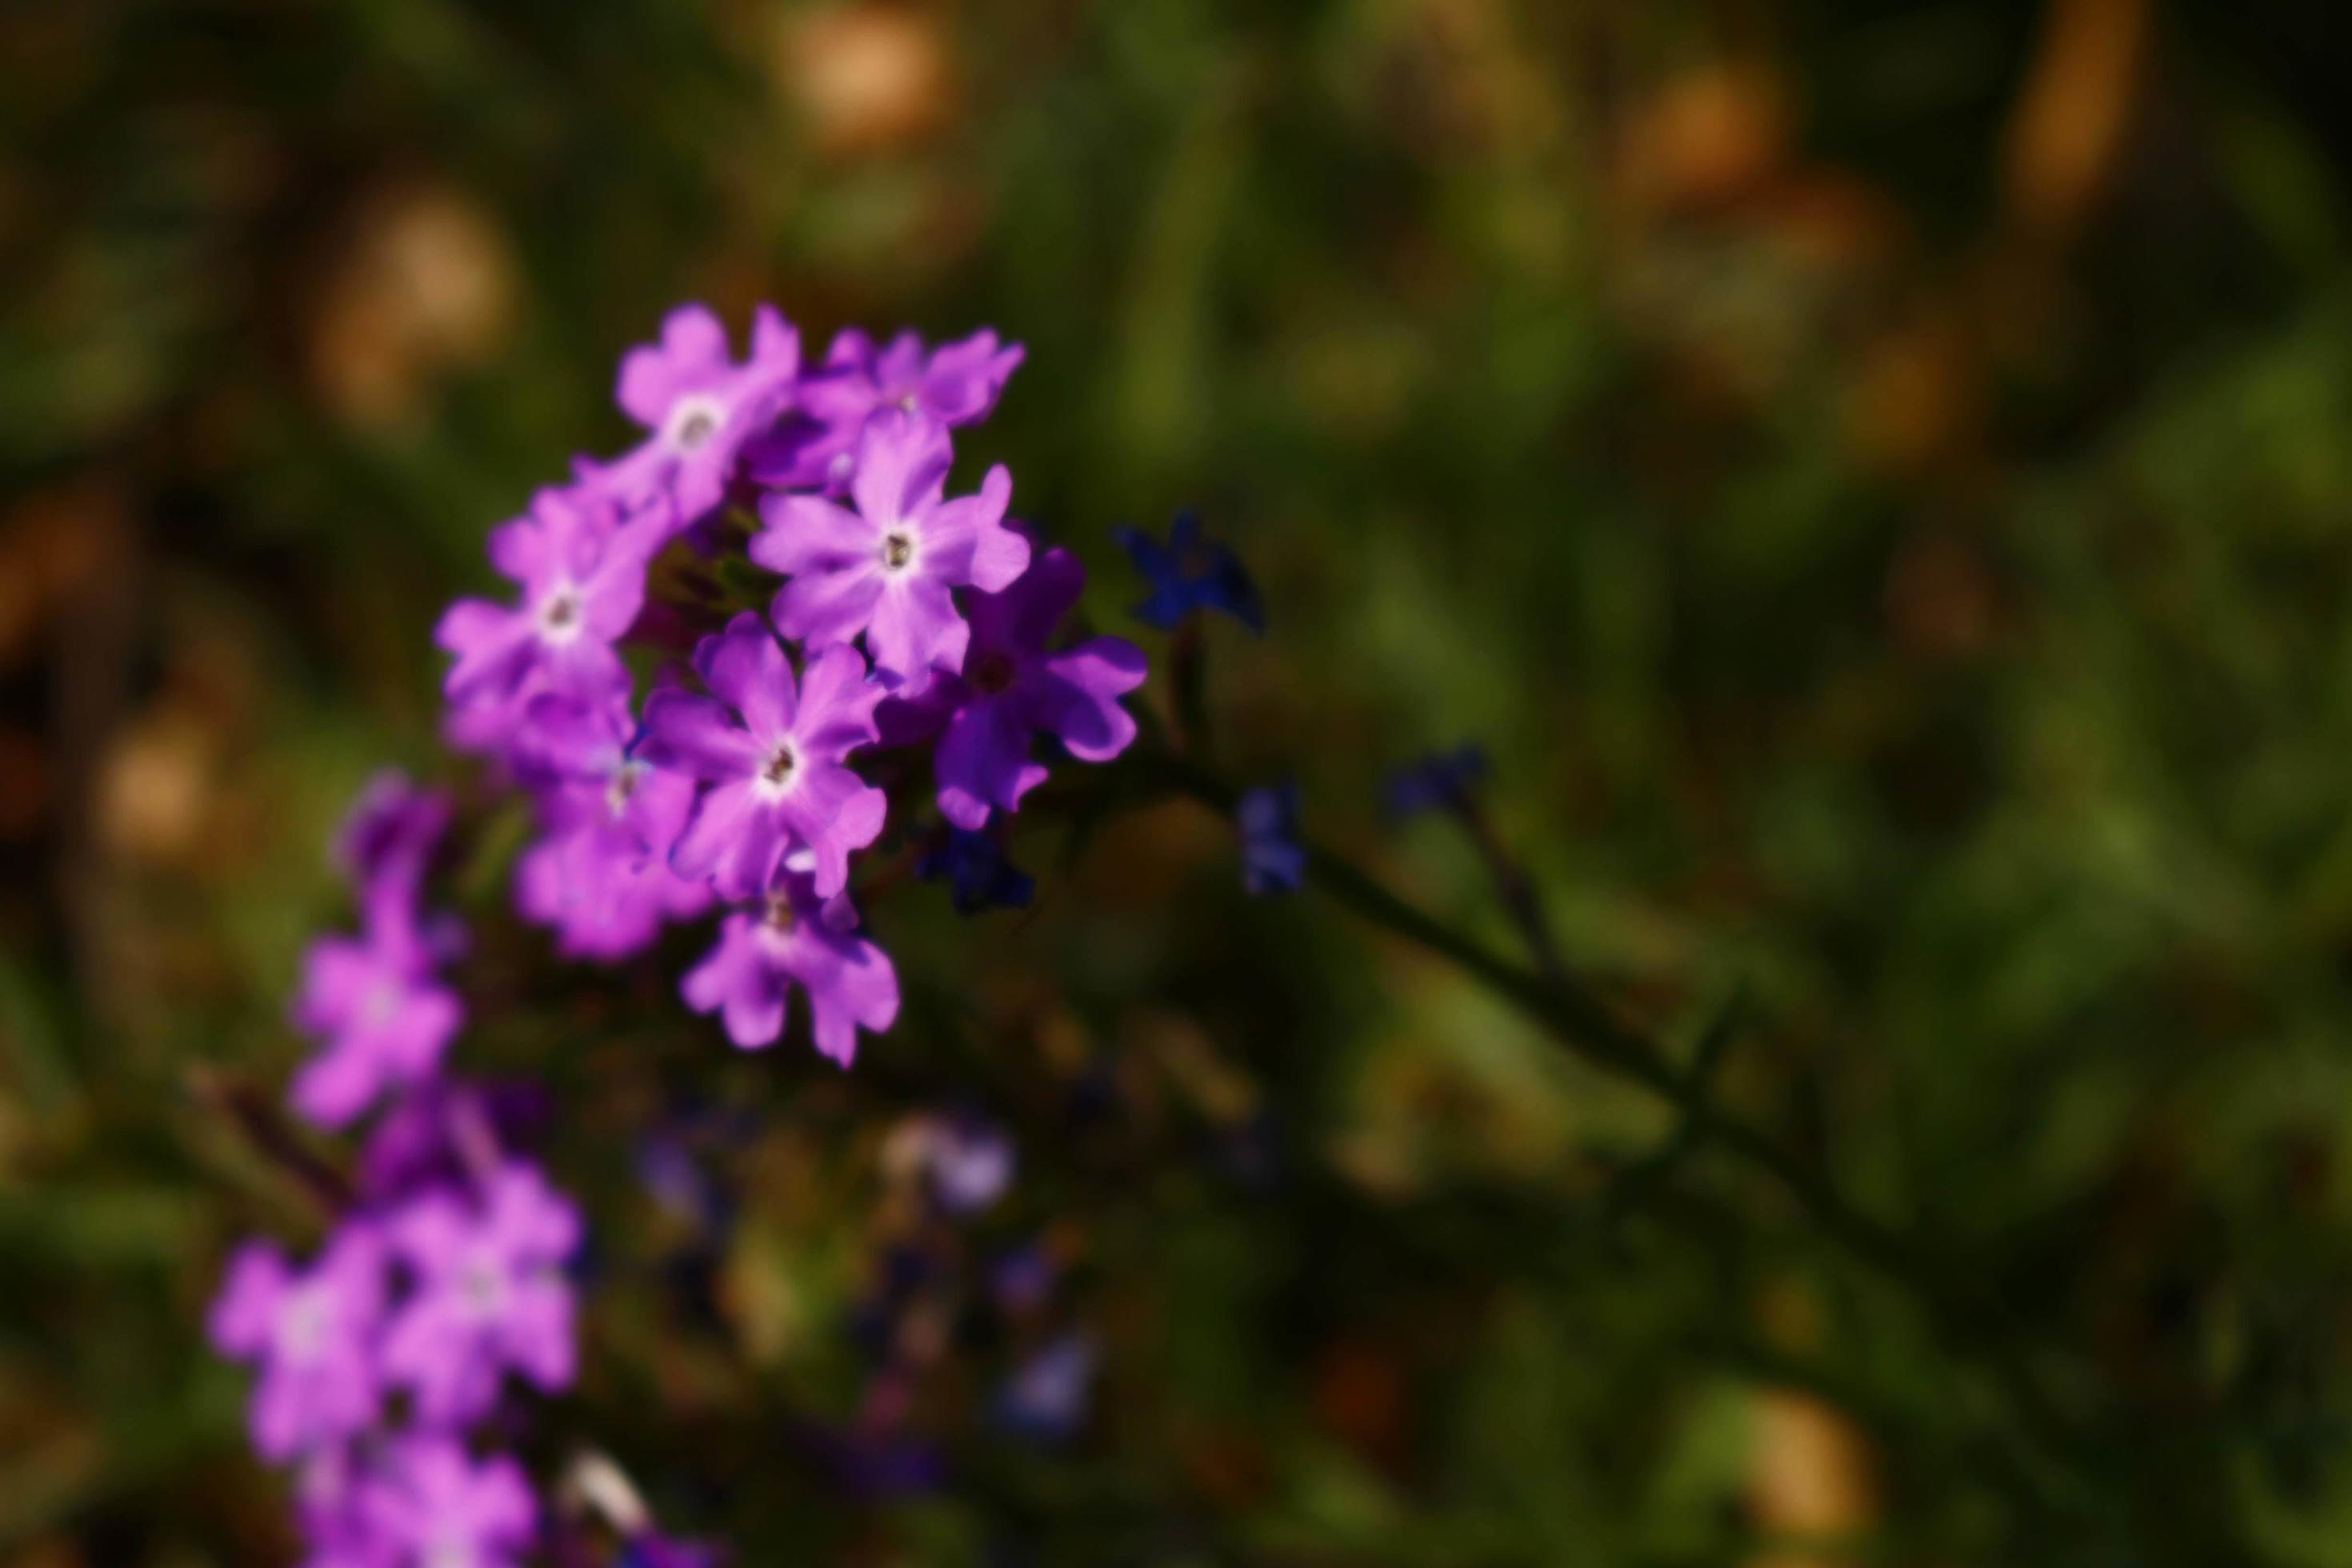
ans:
x=978 y=875
x=491 y=1294
x=886 y=569
x=795 y=936
x=1047 y=1397
x=389 y=834
x=582 y=567
x=436 y=1506
x=700 y=405
x=1190 y=572
x=1442 y=781
x=380 y=1015
x=971 y=1164
x=772 y=753
x=1272 y=861
x=313 y=1335
x=816 y=446
x=601 y=875
x=1012 y=688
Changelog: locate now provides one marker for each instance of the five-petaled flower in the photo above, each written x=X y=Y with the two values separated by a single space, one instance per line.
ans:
x=814 y=447
x=1190 y=572
x=770 y=752
x=700 y=406
x=796 y=936
x=583 y=572
x=380 y=1015
x=491 y=1294
x=886 y=568
x=314 y=1334
x=1272 y=861
x=433 y=1506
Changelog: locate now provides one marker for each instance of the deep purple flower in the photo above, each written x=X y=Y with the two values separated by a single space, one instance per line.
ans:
x=1271 y=858
x=1048 y=1396
x=601 y=875
x=440 y=1509
x=1012 y=688
x=700 y=407
x=978 y=875
x=582 y=573
x=1442 y=781
x=378 y=1013
x=491 y=1294
x=312 y=1335
x=816 y=446
x=388 y=836
x=445 y=1129
x=771 y=756
x=1190 y=572
x=886 y=568
x=330 y=1508
x=796 y=937
x=653 y=1550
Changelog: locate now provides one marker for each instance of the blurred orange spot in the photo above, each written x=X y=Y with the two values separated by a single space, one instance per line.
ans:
x=1808 y=1476
x=51 y=545
x=156 y=787
x=426 y=284
x=1915 y=397
x=870 y=78
x=1939 y=597
x=2076 y=107
x=1708 y=136
x=1360 y=1397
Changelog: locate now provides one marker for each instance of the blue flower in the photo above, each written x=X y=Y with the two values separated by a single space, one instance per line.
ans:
x=1189 y=573
x=1272 y=860
x=978 y=875
x=1441 y=781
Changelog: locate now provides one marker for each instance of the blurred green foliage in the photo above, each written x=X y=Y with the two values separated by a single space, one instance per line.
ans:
x=1875 y=476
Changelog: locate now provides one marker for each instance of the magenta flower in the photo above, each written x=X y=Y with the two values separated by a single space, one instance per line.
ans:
x=771 y=756
x=886 y=569
x=700 y=406
x=378 y=1013
x=313 y=1336
x=1012 y=688
x=796 y=936
x=816 y=446
x=582 y=573
x=436 y=1507
x=600 y=876
x=491 y=1294
x=388 y=836
x=329 y=1506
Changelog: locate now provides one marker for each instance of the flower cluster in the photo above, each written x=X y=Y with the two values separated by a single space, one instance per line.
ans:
x=897 y=616
x=793 y=526
x=443 y=1281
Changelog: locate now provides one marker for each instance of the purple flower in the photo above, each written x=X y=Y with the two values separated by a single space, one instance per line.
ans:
x=795 y=937
x=491 y=1294
x=582 y=573
x=1271 y=858
x=329 y=1507
x=1012 y=688
x=700 y=406
x=814 y=447
x=776 y=777
x=653 y=1550
x=1190 y=572
x=439 y=1508
x=971 y=1164
x=389 y=834
x=601 y=875
x=313 y=1335
x=442 y=1129
x=978 y=875
x=1046 y=1399
x=379 y=1014
x=1442 y=781
x=886 y=568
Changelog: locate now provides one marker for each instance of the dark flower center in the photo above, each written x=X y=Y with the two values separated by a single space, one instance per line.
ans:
x=779 y=915
x=897 y=551
x=695 y=427
x=623 y=786
x=562 y=611
x=779 y=766
x=991 y=673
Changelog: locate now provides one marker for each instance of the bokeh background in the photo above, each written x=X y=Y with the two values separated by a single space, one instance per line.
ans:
x=1875 y=478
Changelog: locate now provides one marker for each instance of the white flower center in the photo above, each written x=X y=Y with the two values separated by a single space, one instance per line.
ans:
x=561 y=615
x=776 y=774
x=304 y=1324
x=694 y=419
x=483 y=1285
x=623 y=786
